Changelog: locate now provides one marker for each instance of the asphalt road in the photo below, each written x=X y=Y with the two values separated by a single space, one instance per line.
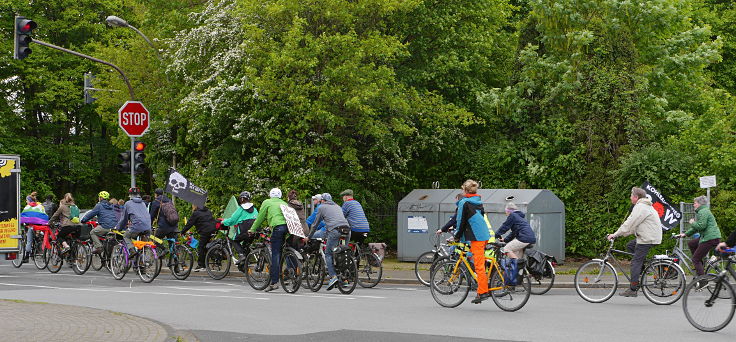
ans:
x=229 y=310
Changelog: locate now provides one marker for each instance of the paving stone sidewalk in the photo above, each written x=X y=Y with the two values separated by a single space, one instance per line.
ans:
x=30 y=321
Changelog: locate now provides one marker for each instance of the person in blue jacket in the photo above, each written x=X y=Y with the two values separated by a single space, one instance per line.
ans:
x=319 y=231
x=472 y=227
x=135 y=219
x=106 y=219
x=521 y=232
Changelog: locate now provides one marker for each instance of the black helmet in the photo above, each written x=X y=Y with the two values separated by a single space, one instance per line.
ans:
x=245 y=195
x=134 y=191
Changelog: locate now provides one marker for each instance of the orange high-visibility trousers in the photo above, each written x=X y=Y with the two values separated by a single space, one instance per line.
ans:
x=478 y=249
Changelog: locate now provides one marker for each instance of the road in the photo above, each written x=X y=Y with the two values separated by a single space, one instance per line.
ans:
x=229 y=310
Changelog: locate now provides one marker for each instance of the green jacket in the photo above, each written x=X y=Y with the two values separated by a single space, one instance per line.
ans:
x=237 y=217
x=705 y=224
x=270 y=212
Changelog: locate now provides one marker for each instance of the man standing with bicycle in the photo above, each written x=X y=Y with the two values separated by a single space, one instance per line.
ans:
x=135 y=219
x=644 y=223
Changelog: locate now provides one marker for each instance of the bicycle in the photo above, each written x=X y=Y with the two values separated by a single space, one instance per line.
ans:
x=37 y=247
x=422 y=267
x=713 y=265
x=662 y=280
x=453 y=275
x=180 y=259
x=346 y=268
x=78 y=255
x=715 y=300
x=369 y=264
x=220 y=255
x=258 y=261
x=109 y=241
x=145 y=261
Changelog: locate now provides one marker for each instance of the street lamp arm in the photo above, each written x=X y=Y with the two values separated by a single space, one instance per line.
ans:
x=158 y=54
x=122 y=74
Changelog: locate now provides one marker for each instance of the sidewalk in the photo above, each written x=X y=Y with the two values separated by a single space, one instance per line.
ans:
x=32 y=321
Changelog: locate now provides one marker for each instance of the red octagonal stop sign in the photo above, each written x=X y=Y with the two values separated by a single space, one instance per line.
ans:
x=134 y=118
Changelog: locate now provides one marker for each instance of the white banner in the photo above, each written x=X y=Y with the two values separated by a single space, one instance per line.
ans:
x=292 y=221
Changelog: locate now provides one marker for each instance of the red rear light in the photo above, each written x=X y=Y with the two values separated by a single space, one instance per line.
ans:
x=11 y=256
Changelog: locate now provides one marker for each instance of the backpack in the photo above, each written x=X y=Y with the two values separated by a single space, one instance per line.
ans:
x=74 y=213
x=170 y=214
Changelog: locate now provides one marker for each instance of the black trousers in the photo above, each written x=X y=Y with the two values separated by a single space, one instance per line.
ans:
x=637 y=262
x=204 y=239
x=66 y=230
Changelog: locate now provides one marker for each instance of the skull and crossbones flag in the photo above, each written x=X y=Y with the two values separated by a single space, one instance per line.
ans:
x=180 y=187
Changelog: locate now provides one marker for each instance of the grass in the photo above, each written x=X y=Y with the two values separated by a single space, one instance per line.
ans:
x=22 y=301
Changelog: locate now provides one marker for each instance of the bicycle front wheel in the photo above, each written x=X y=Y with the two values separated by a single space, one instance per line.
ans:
x=510 y=297
x=347 y=278
x=118 y=262
x=39 y=255
x=596 y=281
x=449 y=285
x=542 y=283
x=218 y=262
x=712 y=307
x=663 y=282
x=18 y=261
x=314 y=271
x=81 y=258
x=291 y=272
x=181 y=262
x=370 y=270
x=422 y=267
x=257 y=268
x=148 y=264
x=53 y=255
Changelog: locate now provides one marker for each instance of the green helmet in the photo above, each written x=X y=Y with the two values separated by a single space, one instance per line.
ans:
x=104 y=195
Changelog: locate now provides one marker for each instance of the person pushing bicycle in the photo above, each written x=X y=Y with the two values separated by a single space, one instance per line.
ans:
x=644 y=223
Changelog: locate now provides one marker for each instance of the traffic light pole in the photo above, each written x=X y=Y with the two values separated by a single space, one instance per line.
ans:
x=127 y=82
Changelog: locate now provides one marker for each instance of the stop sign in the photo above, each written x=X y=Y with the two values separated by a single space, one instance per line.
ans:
x=134 y=118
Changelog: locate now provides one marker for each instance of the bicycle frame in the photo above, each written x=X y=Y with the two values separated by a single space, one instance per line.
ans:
x=609 y=256
x=462 y=258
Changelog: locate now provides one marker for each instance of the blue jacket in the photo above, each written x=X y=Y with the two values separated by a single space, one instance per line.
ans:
x=311 y=218
x=135 y=212
x=155 y=210
x=520 y=228
x=105 y=213
x=471 y=226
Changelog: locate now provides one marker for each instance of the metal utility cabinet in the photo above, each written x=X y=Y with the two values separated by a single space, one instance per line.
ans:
x=544 y=211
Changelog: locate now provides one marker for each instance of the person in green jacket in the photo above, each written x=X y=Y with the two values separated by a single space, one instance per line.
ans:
x=240 y=223
x=710 y=236
x=271 y=213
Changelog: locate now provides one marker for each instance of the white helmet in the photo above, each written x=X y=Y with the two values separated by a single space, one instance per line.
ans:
x=275 y=193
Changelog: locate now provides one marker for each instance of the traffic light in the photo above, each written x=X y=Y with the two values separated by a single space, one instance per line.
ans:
x=89 y=88
x=23 y=29
x=140 y=157
x=124 y=167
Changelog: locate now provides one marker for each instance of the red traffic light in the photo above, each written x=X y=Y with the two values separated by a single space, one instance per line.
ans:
x=26 y=25
x=139 y=146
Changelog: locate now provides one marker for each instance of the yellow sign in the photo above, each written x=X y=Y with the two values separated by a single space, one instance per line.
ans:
x=5 y=166
x=7 y=229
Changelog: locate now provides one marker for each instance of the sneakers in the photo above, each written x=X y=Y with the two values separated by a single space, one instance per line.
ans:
x=701 y=284
x=200 y=269
x=332 y=284
x=481 y=297
x=628 y=293
x=272 y=287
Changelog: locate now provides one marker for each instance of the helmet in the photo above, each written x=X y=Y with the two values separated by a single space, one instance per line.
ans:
x=134 y=191
x=245 y=195
x=104 y=195
x=275 y=193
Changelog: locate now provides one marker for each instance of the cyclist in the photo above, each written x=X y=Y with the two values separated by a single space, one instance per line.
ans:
x=521 y=236
x=644 y=223
x=68 y=216
x=240 y=222
x=135 y=218
x=355 y=215
x=32 y=198
x=106 y=220
x=205 y=223
x=472 y=226
x=335 y=225
x=48 y=205
x=164 y=229
x=271 y=212
x=319 y=229
x=710 y=236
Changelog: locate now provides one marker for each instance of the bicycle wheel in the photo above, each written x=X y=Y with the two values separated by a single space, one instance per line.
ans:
x=181 y=262
x=663 y=282
x=422 y=267
x=542 y=283
x=449 y=285
x=149 y=265
x=119 y=262
x=53 y=255
x=217 y=261
x=510 y=297
x=291 y=272
x=81 y=258
x=370 y=269
x=715 y=265
x=257 y=266
x=18 y=261
x=314 y=271
x=710 y=308
x=596 y=281
x=347 y=277
x=39 y=255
